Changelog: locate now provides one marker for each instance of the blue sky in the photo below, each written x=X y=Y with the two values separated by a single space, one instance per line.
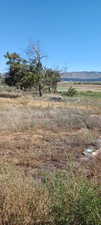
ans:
x=69 y=31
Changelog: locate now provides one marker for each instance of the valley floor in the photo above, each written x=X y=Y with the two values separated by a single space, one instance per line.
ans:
x=44 y=139
x=38 y=135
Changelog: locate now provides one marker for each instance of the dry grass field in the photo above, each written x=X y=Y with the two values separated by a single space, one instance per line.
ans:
x=80 y=87
x=39 y=137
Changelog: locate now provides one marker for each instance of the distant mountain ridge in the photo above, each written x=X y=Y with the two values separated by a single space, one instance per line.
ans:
x=81 y=76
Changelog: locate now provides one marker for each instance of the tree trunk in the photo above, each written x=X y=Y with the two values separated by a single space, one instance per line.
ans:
x=55 y=89
x=40 y=90
x=49 y=89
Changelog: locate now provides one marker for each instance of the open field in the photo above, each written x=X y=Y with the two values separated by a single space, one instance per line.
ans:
x=38 y=134
x=63 y=86
x=40 y=138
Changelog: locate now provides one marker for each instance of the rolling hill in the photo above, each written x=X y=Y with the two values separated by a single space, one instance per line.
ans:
x=81 y=76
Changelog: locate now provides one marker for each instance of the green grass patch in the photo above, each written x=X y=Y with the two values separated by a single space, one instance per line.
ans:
x=90 y=94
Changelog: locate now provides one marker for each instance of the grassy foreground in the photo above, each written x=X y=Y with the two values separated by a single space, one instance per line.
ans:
x=61 y=199
x=44 y=176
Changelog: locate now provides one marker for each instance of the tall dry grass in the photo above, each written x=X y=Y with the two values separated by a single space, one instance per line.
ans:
x=62 y=199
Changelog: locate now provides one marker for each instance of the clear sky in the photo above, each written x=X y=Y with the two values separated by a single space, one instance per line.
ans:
x=69 y=31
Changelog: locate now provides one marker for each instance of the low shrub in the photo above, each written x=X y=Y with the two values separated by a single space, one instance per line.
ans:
x=75 y=201
x=71 y=92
